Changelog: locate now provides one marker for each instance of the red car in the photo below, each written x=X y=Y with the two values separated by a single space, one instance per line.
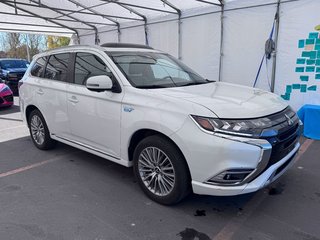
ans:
x=6 y=96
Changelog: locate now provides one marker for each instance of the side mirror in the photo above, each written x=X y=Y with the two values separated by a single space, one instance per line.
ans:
x=99 y=83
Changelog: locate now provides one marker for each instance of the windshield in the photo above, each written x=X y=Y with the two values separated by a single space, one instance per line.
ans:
x=7 y=64
x=155 y=70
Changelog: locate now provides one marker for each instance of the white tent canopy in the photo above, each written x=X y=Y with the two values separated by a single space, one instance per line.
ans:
x=73 y=16
x=221 y=39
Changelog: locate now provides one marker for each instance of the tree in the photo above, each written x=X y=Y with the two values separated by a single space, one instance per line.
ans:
x=13 y=42
x=55 y=42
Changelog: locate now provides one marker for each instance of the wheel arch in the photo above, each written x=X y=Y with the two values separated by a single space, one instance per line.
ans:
x=143 y=133
x=28 y=111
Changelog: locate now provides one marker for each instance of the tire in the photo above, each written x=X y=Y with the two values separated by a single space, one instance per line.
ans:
x=39 y=131
x=163 y=188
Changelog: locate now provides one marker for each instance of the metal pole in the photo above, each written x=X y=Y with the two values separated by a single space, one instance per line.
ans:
x=221 y=41
x=274 y=57
x=179 y=37
x=27 y=44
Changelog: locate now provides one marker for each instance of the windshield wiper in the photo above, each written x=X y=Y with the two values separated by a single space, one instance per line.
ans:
x=151 y=86
x=195 y=83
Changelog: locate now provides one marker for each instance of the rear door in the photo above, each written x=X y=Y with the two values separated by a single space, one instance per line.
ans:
x=52 y=96
x=94 y=116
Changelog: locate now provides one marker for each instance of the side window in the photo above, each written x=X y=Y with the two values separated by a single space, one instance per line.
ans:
x=88 y=65
x=38 y=67
x=57 y=67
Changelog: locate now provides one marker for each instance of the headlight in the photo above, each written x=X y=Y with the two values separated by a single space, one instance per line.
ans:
x=12 y=75
x=246 y=128
x=5 y=89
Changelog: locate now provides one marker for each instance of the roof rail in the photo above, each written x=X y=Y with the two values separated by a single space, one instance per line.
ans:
x=125 y=45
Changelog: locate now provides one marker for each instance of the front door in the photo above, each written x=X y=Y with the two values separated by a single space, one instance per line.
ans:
x=94 y=116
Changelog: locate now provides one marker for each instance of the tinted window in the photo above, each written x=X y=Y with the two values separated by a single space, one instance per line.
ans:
x=88 y=65
x=38 y=67
x=57 y=67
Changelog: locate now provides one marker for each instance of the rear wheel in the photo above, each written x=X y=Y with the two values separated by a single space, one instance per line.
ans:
x=161 y=170
x=39 y=131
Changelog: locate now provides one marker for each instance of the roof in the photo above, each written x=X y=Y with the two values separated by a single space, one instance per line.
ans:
x=66 y=17
x=121 y=47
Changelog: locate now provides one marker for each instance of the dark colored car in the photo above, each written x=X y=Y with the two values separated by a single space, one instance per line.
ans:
x=11 y=71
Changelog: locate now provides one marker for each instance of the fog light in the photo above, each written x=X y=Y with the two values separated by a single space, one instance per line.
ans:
x=231 y=176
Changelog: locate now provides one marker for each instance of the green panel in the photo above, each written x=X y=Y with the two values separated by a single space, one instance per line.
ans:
x=318 y=69
x=301 y=61
x=286 y=96
x=306 y=54
x=312 y=88
x=301 y=43
x=318 y=76
x=296 y=86
x=318 y=41
x=313 y=54
x=304 y=78
x=317 y=47
x=313 y=35
x=311 y=61
x=318 y=62
x=288 y=89
x=310 y=69
x=318 y=55
x=310 y=41
x=300 y=69
x=303 y=88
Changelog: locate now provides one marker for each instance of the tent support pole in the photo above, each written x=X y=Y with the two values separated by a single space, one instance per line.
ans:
x=178 y=11
x=274 y=57
x=41 y=17
x=119 y=33
x=221 y=40
x=179 y=38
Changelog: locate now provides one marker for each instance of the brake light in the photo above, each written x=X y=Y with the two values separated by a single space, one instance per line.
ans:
x=20 y=84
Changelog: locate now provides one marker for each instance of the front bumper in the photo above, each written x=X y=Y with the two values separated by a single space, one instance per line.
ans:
x=208 y=155
x=6 y=100
x=265 y=178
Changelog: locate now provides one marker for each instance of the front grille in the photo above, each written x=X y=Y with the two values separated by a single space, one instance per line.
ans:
x=285 y=141
x=1 y=100
x=8 y=98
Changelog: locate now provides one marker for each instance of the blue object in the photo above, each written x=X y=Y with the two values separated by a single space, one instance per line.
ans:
x=310 y=116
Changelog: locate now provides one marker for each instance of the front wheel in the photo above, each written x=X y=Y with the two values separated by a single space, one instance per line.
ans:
x=161 y=170
x=39 y=131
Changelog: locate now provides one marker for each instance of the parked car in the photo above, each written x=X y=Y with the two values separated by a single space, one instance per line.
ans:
x=140 y=107
x=6 y=96
x=11 y=72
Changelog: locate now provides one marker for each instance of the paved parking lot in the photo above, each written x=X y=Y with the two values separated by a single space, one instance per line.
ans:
x=69 y=194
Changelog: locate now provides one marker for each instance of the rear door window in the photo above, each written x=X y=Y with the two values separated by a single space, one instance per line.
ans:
x=38 y=68
x=57 y=67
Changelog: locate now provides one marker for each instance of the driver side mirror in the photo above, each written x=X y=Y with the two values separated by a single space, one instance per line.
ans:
x=99 y=83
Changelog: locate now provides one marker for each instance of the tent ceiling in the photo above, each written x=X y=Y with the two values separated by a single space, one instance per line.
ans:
x=70 y=16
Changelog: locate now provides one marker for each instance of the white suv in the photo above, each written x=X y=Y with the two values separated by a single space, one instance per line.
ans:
x=140 y=107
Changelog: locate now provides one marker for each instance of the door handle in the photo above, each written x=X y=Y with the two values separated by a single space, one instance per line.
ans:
x=73 y=99
x=40 y=91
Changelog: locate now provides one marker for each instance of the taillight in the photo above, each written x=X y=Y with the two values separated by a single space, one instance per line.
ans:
x=20 y=84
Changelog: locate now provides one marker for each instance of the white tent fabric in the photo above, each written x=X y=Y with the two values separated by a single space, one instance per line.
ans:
x=191 y=30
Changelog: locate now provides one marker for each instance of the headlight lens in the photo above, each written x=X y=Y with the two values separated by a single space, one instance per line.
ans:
x=13 y=75
x=248 y=128
x=5 y=89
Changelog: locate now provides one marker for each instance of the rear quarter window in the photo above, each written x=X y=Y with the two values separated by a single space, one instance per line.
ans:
x=38 y=68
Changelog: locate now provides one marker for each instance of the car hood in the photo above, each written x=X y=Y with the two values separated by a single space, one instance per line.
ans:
x=229 y=100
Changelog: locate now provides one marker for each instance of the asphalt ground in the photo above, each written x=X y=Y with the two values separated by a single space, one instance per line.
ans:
x=69 y=194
